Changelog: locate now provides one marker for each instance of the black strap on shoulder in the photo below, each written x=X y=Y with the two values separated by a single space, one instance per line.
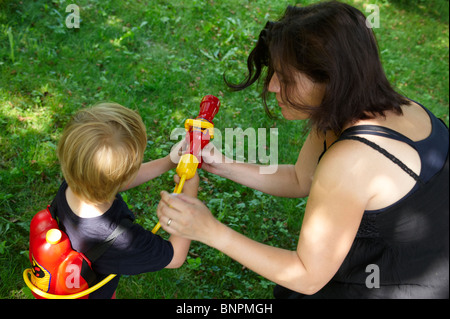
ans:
x=52 y=209
x=385 y=153
x=324 y=150
x=379 y=131
x=95 y=252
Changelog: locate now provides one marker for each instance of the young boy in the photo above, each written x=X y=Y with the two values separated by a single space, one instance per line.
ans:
x=100 y=152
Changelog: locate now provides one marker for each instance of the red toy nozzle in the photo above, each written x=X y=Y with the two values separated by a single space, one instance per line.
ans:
x=198 y=137
x=209 y=106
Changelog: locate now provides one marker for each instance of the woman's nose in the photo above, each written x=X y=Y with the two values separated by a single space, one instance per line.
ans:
x=274 y=84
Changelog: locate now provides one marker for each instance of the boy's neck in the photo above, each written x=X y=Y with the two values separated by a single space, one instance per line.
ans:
x=84 y=209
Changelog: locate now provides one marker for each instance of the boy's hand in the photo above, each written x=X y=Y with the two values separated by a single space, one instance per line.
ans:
x=178 y=150
x=190 y=185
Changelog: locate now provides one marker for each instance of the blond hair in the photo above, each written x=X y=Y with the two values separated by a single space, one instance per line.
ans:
x=101 y=150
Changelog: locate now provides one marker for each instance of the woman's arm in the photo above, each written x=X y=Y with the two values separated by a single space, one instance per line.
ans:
x=282 y=183
x=333 y=213
x=287 y=181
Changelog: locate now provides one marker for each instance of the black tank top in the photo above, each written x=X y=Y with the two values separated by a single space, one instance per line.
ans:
x=408 y=241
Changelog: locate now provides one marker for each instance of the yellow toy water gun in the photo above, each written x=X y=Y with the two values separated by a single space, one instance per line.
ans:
x=199 y=132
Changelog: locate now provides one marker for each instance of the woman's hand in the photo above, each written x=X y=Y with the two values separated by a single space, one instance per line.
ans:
x=186 y=216
x=213 y=160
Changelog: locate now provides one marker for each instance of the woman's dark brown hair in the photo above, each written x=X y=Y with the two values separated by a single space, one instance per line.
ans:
x=330 y=43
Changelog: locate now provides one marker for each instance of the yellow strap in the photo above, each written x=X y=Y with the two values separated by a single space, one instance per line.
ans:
x=80 y=294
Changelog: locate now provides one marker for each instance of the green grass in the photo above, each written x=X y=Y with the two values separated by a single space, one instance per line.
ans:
x=160 y=58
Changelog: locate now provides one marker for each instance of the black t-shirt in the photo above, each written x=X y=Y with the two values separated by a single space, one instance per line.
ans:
x=135 y=251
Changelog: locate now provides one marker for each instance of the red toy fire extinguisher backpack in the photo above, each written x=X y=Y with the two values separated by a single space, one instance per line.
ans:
x=58 y=271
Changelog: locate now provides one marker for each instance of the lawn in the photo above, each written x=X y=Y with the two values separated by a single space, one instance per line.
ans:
x=160 y=58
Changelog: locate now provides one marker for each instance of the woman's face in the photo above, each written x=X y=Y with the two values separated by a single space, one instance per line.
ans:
x=305 y=92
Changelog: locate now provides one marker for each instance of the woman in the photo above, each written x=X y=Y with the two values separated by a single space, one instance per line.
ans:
x=375 y=168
